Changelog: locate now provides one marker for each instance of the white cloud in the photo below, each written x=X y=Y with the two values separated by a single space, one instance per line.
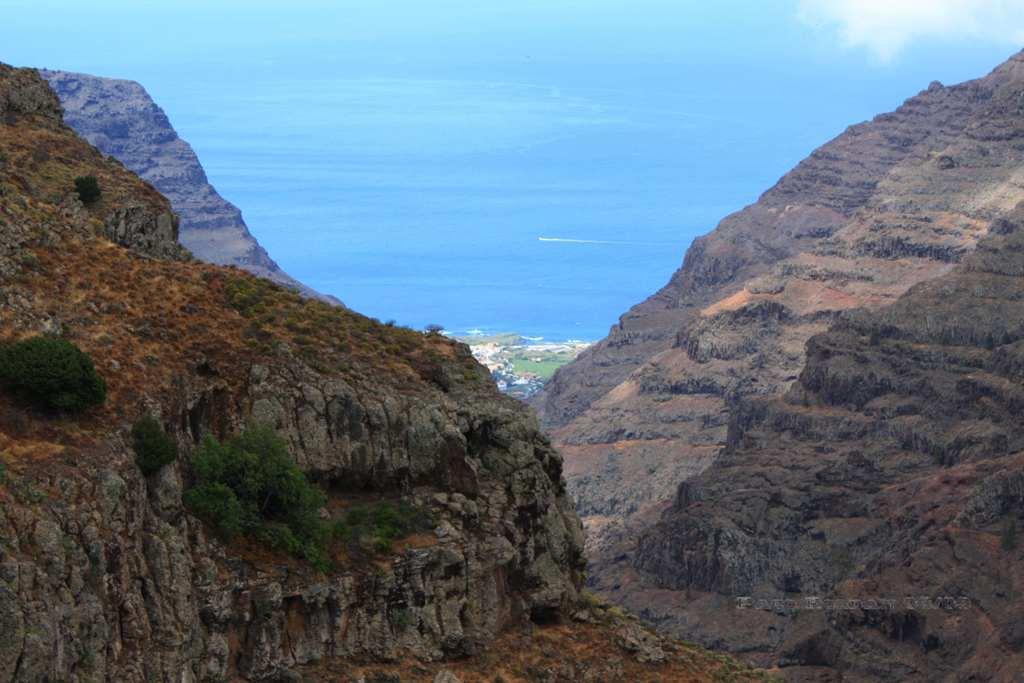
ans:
x=885 y=27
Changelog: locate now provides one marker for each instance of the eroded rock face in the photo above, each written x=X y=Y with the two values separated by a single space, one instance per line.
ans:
x=108 y=570
x=121 y=119
x=888 y=204
x=24 y=96
x=143 y=231
x=891 y=471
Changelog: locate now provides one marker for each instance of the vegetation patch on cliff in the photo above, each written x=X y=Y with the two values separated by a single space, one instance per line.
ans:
x=51 y=374
x=88 y=188
x=153 y=447
x=374 y=528
x=250 y=485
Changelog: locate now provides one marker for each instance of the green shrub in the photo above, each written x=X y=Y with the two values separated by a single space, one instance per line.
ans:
x=88 y=188
x=51 y=374
x=250 y=485
x=402 y=618
x=373 y=528
x=153 y=448
x=218 y=505
x=30 y=260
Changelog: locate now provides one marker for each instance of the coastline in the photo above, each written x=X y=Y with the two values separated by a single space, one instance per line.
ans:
x=520 y=365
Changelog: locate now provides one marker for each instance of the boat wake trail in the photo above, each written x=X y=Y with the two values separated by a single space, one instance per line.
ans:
x=568 y=240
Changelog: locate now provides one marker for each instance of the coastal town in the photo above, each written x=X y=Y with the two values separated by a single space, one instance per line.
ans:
x=520 y=365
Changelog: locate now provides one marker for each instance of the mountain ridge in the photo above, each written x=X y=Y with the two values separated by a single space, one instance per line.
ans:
x=121 y=119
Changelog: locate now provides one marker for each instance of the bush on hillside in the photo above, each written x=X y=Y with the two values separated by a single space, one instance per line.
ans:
x=217 y=504
x=52 y=374
x=250 y=485
x=88 y=188
x=153 y=448
x=376 y=527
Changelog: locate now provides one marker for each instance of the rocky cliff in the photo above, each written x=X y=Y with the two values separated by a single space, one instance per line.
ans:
x=889 y=476
x=121 y=119
x=888 y=204
x=106 y=575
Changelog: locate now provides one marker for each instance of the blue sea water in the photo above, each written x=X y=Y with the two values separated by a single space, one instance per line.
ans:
x=407 y=157
x=494 y=206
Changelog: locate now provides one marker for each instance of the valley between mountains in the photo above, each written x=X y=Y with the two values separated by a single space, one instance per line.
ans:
x=209 y=476
x=802 y=458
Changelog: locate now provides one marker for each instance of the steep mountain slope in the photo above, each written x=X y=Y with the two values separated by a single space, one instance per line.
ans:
x=106 y=575
x=892 y=470
x=120 y=119
x=888 y=204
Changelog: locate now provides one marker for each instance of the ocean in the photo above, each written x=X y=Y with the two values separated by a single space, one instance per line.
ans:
x=476 y=205
x=541 y=208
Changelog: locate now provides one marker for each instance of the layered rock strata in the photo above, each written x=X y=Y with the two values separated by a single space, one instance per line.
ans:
x=888 y=478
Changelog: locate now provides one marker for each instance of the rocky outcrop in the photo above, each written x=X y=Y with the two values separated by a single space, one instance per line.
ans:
x=890 y=203
x=137 y=228
x=107 y=569
x=121 y=119
x=24 y=97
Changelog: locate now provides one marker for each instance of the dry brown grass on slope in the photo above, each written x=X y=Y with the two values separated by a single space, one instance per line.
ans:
x=39 y=166
x=148 y=322
x=558 y=653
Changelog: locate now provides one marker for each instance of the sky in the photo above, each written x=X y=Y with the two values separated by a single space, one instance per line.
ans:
x=130 y=35
x=407 y=156
x=887 y=28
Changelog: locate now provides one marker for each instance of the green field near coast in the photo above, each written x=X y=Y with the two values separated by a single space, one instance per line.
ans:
x=521 y=366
